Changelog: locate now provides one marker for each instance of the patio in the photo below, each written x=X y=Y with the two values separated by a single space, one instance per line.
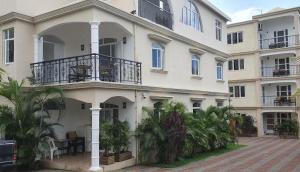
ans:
x=81 y=163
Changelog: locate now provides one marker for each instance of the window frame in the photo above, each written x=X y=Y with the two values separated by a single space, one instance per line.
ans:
x=190 y=15
x=197 y=59
x=159 y=48
x=220 y=67
x=6 y=45
x=197 y=108
x=218 y=30
x=235 y=37
x=237 y=91
x=236 y=64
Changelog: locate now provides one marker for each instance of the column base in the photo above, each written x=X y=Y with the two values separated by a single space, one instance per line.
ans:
x=96 y=169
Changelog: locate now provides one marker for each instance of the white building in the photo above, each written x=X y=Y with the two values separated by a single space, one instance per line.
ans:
x=264 y=67
x=113 y=57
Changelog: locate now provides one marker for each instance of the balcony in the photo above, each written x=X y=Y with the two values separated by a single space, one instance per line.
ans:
x=153 y=12
x=276 y=101
x=291 y=70
x=279 y=42
x=92 y=67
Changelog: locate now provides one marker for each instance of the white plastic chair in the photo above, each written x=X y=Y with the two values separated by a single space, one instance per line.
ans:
x=53 y=148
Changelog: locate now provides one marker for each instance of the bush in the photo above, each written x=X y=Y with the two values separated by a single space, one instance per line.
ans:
x=247 y=126
x=170 y=133
x=121 y=135
x=288 y=127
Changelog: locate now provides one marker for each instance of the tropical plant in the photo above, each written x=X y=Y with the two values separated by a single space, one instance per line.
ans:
x=150 y=135
x=25 y=119
x=121 y=135
x=106 y=137
x=247 y=126
x=289 y=127
x=169 y=133
x=173 y=125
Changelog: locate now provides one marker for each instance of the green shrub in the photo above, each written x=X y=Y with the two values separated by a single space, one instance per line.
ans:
x=290 y=127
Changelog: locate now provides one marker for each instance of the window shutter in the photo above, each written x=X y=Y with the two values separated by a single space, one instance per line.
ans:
x=275 y=35
x=289 y=90
x=229 y=39
x=278 y=90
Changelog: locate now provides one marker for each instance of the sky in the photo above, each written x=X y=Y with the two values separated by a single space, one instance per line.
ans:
x=241 y=10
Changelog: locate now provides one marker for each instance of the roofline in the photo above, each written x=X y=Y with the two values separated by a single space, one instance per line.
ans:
x=241 y=23
x=276 y=13
x=113 y=10
x=215 y=9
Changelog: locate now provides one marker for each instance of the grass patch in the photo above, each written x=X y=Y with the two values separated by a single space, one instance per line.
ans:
x=201 y=156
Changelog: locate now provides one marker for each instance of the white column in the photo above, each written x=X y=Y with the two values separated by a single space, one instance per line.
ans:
x=41 y=49
x=297 y=28
x=95 y=157
x=95 y=47
x=36 y=48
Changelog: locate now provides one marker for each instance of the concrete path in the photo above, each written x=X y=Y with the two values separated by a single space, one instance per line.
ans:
x=261 y=155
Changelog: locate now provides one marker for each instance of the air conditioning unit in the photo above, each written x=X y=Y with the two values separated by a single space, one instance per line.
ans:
x=260 y=27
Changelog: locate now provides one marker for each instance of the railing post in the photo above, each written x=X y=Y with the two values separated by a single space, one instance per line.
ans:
x=140 y=64
x=120 y=70
x=59 y=71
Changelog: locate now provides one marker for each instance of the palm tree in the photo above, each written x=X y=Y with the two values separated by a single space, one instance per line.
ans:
x=24 y=121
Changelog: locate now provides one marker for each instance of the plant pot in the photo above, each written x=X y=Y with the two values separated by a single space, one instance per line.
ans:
x=107 y=160
x=123 y=156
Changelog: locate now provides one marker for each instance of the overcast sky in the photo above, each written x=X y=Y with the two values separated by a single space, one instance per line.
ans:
x=241 y=10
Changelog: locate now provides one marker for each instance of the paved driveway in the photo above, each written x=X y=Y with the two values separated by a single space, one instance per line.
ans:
x=261 y=155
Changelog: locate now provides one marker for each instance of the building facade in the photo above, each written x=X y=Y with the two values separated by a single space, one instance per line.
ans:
x=263 y=69
x=113 y=57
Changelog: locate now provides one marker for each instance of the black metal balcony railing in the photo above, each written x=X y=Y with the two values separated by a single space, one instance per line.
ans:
x=154 y=13
x=276 y=101
x=291 y=70
x=86 y=68
x=279 y=42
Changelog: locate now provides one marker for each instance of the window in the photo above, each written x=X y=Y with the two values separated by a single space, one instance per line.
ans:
x=220 y=103
x=282 y=64
x=196 y=107
x=237 y=91
x=218 y=30
x=158 y=108
x=191 y=16
x=9 y=37
x=229 y=41
x=157 y=56
x=219 y=71
x=236 y=64
x=195 y=65
x=284 y=91
x=235 y=37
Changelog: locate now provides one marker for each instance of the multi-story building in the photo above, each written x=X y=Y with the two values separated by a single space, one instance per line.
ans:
x=113 y=57
x=264 y=67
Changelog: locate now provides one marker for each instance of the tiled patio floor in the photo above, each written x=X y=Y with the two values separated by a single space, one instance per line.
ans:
x=266 y=154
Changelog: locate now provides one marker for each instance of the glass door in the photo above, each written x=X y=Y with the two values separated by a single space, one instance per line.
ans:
x=108 y=67
x=270 y=123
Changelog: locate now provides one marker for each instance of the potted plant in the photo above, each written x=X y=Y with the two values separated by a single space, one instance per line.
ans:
x=106 y=139
x=121 y=137
x=288 y=129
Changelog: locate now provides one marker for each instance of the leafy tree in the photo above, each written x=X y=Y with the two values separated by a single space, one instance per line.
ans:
x=106 y=137
x=25 y=119
x=290 y=127
x=121 y=135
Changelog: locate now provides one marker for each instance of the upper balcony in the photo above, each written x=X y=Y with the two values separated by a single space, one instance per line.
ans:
x=82 y=52
x=279 y=95
x=280 y=65
x=157 y=11
x=280 y=41
x=92 y=67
